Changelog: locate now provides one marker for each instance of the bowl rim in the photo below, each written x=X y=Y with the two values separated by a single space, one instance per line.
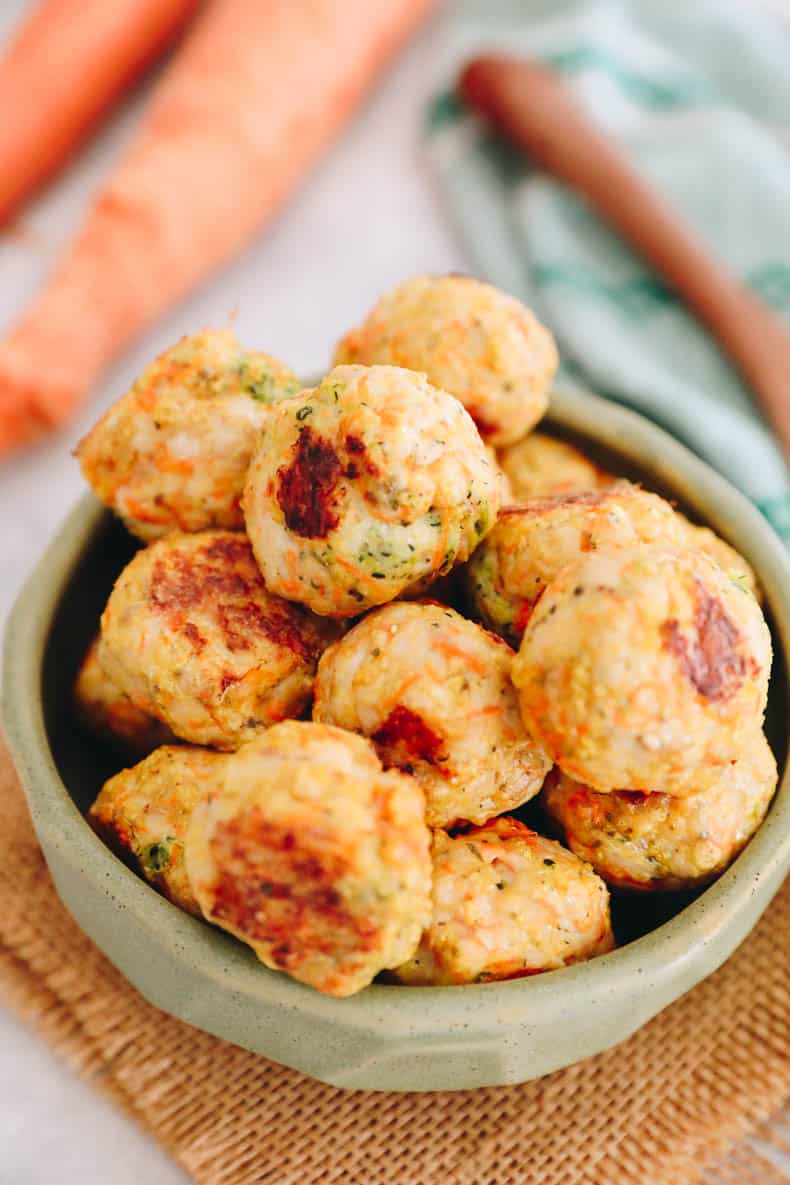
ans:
x=683 y=946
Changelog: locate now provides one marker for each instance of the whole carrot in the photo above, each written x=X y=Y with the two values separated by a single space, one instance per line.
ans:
x=64 y=67
x=256 y=92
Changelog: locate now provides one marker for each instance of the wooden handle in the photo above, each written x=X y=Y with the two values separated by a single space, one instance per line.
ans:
x=533 y=109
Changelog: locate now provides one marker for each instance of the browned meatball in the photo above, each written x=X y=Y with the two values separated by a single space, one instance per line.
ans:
x=193 y=636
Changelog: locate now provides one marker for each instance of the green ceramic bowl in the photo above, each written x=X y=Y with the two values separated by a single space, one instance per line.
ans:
x=388 y=1037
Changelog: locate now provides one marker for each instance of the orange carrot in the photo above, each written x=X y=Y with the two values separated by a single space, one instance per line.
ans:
x=257 y=91
x=440 y=550
x=65 y=66
x=452 y=651
x=359 y=574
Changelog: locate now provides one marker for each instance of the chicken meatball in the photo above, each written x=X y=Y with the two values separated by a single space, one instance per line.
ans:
x=433 y=692
x=365 y=487
x=531 y=543
x=728 y=559
x=507 y=903
x=172 y=454
x=654 y=841
x=192 y=635
x=470 y=339
x=506 y=494
x=315 y=856
x=143 y=813
x=644 y=669
x=105 y=711
x=540 y=466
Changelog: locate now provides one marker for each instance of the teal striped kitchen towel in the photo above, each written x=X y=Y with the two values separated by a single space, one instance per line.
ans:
x=696 y=94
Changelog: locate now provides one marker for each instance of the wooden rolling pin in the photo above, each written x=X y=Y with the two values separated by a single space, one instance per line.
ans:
x=532 y=108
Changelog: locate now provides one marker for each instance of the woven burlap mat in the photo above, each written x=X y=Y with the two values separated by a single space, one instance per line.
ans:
x=662 y=1109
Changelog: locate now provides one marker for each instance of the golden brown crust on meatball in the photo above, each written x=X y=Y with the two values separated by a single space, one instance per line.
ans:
x=108 y=713
x=192 y=635
x=470 y=339
x=314 y=856
x=654 y=841
x=507 y=903
x=433 y=692
x=644 y=669
x=541 y=466
x=729 y=560
x=531 y=543
x=172 y=453
x=143 y=813
x=366 y=487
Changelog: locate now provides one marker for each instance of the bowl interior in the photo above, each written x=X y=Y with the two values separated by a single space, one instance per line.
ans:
x=84 y=764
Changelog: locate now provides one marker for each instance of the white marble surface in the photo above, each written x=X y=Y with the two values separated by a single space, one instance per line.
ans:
x=366 y=217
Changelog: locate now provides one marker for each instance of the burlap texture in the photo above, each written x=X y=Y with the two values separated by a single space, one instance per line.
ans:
x=662 y=1109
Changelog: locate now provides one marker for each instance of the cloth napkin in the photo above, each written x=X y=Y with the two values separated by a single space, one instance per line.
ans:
x=694 y=94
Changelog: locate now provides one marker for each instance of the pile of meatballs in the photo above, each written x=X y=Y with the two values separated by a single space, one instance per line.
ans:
x=372 y=619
